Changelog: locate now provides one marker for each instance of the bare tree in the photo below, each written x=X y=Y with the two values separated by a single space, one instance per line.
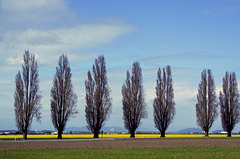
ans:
x=27 y=94
x=207 y=105
x=134 y=106
x=163 y=104
x=63 y=99
x=98 y=101
x=229 y=102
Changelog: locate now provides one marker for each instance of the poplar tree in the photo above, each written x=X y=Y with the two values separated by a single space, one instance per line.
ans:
x=27 y=94
x=98 y=102
x=207 y=105
x=63 y=98
x=163 y=104
x=229 y=103
x=134 y=106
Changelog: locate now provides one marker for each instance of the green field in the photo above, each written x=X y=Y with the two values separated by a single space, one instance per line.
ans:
x=166 y=152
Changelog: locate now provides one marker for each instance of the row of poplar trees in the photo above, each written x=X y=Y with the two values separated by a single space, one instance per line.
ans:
x=99 y=103
x=207 y=105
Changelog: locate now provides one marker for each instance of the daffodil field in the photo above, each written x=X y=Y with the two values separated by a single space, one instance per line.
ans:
x=85 y=136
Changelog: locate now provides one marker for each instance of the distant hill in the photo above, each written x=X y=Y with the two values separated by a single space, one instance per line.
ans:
x=84 y=128
x=105 y=129
x=112 y=129
x=188 y=131
x=9 y=132
x=217 y=131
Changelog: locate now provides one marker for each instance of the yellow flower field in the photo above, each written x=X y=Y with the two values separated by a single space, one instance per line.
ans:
x=84 y=136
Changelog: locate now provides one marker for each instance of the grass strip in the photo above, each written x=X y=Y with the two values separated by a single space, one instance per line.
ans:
x=147 y=152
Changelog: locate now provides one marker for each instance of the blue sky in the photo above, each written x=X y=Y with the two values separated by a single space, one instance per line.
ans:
x=187 y=35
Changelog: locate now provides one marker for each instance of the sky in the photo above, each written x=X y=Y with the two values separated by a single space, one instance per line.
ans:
x=188 y=35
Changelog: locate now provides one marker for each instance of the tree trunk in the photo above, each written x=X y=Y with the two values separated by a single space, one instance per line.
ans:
x=163 y=134
x=59 y=135
x=24 y=135
x=206 y=133
x=95 y=135
x=229 y=133
x=132 y=134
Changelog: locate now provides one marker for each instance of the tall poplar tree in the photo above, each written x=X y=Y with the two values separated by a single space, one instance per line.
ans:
x=229 y=103
x=207 y=105
x=27 y=94
x=134 y=106
x=98 y=102
x=163 y=104
x=63 y=98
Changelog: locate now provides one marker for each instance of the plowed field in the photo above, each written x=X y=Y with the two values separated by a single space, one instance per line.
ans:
x=121 y=143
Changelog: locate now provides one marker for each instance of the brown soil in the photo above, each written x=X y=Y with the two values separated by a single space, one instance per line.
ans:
x=123 y=143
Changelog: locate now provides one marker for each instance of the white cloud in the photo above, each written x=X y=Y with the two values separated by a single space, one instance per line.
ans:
x=91 y=35
x=14 y=60
x=34 y=25
x=180 y=56
x=185 y=94
x=81 y=37
x=31 y=37
x=61 y=40
x=29 y=5
x=20 y=11
x=149 y=94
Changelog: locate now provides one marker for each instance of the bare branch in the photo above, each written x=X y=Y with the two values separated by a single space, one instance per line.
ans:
x=63 y=98
x=229 y=103
x=207 y=106
x=98 y=101
x=134 y=106
x=163 y=104
x=27 y=94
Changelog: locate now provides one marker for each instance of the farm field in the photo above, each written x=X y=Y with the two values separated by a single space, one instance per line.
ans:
x=166 y=152
x=123 y=148
x=87 y=136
